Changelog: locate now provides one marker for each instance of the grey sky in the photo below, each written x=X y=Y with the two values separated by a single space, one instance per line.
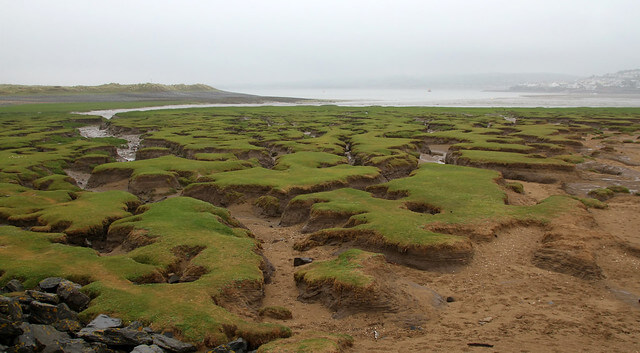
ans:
x=234 y=43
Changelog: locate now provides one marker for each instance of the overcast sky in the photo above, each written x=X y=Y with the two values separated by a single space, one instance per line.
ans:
x=234 y=43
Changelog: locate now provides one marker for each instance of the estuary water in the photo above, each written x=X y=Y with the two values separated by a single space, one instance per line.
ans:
x=411 y=97
x=450 y=97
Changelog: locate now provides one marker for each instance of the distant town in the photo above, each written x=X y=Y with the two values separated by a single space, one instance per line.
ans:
x=621 y=82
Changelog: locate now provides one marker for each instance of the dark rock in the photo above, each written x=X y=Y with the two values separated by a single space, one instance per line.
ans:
x=450 y=299
x=10 y=309
x=101 y=348
x=237 y=346
x=42 y=313
x=136 y=326
x=23 y=299
x=26 y=342
x=298 y=261
x=77 y=346
x=50 y=284
x=46 y=339
x=8 y=330
x=67 y=325
x=173 y=278
x=43 y=297
x=103 y=321
x=70 y=294
x=115 y=336
x=13 y=286
x=172 y=344
x=51 y=339
x=143 y=348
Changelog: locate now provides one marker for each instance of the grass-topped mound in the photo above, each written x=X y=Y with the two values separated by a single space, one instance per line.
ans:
x=217 y=264
x=294 y=173
x=160 y=175
x=83 y=216
x=351 y=175
x=439 y=208
x=359 y=281
x=309 y=342
x=36 y=145
x=530 y=167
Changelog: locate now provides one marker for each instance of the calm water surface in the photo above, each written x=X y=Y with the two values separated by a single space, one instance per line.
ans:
x=452 y=98
x=413 y=97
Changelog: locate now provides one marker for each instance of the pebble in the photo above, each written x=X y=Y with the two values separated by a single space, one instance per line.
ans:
x=486 y=320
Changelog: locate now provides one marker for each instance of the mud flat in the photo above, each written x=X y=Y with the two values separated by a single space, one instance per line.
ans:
x=328 y=226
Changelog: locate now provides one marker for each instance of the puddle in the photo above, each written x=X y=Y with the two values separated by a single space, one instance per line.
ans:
x=432 y=158
x=437 y=155
x=124 y=154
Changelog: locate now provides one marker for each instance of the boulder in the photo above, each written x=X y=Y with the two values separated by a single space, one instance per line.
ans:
x=143 y=348
x=23 y=299
x=237 y=346
x=43 y=297
x=8 y=330
x=299 y=261
x=173 y=278
x=67 y=325
x=172 y=344
x=10 y=309
x=13 y=286
x=48 y=337
x=26 y=342
x=42 y=313
x=103 y=321
x=115 y=336
x=70 y=294
x=79 y=346
x=50 y=284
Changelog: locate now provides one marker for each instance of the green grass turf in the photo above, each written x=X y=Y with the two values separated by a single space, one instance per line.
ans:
x=228 y=255
x=457 y=195
x=344 y=271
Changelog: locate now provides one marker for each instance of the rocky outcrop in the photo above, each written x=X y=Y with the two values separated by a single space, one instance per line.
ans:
x=29 y=325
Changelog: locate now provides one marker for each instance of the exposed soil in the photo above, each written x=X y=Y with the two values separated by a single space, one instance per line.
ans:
x=501 y=298
x=567 y=286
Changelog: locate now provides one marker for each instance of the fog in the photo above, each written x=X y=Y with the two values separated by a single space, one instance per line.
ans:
x=262 y=43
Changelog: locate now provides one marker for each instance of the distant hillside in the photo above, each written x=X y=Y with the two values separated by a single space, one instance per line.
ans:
x=141 y=92
x=621 y=82
x=102 y=89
